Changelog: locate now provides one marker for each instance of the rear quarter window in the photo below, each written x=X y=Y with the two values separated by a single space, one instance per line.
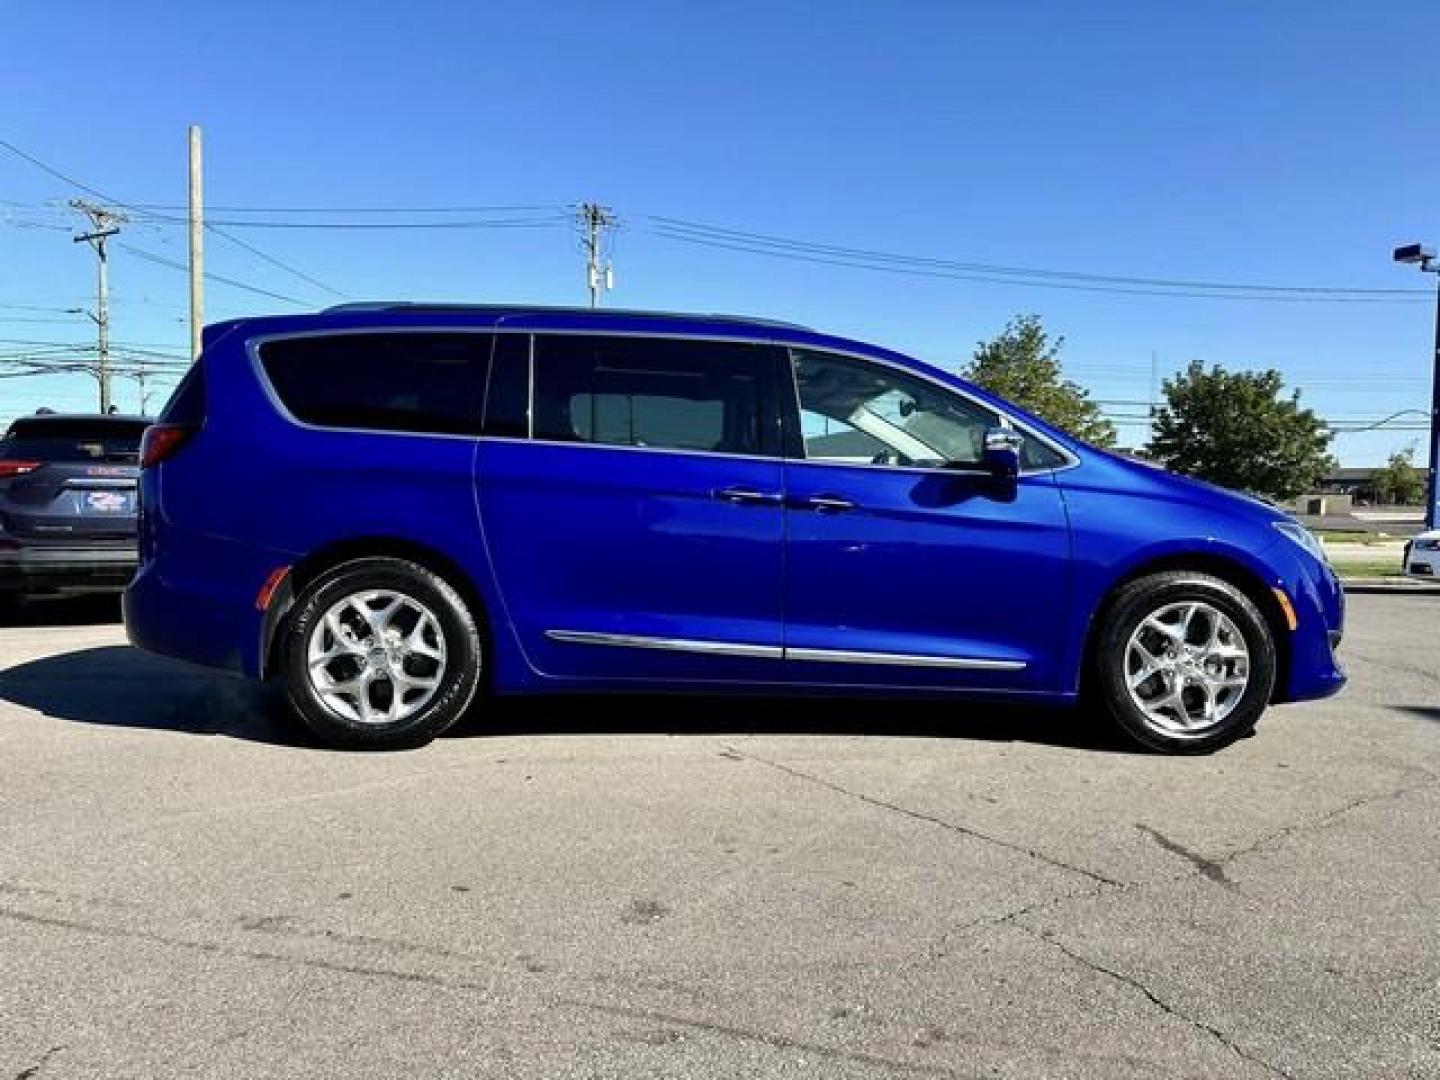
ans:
x=81 y=439
x=415 y=382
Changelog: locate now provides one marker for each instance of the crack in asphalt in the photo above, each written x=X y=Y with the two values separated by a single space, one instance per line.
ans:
x=1328 y=818
x=1160 y=1003
x=917 y=815
x=777 y=1042
x=34 y=1070
x=893 y=1067
x=216 y=948
x=1209 y=868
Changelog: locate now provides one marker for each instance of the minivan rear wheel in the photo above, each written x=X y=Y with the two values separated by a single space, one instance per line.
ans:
x=381 y=652
x=1185 y=662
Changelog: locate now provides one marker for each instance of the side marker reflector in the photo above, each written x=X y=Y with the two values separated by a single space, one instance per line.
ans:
x=267 y=591
x=1287 y=607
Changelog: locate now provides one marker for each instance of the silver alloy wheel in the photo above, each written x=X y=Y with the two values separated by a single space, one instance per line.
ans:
x=376 y=657
x=1187 y=667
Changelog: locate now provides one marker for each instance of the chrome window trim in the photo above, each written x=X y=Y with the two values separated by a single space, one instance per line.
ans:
x=252 y=348
x=779 y=652
x=662 y=644
x=766 y=459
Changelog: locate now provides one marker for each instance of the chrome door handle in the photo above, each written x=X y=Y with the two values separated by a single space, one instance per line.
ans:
x=741 y=496
x=829 y=504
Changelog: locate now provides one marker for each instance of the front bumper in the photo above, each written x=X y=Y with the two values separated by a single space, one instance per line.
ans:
x=1319 y=602
x=1422 y=563
x=66 y=570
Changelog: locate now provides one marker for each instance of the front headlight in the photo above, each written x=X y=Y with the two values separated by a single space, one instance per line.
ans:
x=1304 y=537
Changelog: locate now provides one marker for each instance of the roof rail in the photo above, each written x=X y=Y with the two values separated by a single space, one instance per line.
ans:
x=421 y=306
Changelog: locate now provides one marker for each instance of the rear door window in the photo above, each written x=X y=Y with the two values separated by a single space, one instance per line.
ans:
x=655 y=393
x=78 y=440
x=418 y=382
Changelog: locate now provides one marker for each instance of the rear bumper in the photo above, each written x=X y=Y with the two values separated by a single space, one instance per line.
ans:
x=71 y=570
x=163 y=617
x=196 y=600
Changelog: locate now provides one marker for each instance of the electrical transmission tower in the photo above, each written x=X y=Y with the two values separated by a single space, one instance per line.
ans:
x=596 y=220
x=104 y=223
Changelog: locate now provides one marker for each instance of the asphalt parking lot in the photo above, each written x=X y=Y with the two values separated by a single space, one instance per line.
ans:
x=711 y=889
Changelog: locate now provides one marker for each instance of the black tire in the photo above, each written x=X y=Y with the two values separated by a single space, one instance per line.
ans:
x=1129 y=608
x=459 y=678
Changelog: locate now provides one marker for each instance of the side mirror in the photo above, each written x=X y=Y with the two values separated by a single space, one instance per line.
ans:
x=1002 y=452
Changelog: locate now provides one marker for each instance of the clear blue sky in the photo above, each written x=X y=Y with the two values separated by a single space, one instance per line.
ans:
x=1284 y=142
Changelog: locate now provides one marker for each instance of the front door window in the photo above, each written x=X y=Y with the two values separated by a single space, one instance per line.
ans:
x=860 y=413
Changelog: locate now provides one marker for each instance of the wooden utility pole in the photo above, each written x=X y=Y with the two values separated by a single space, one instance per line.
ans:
x=104 y=223
x=197 y=246
x=595 y=219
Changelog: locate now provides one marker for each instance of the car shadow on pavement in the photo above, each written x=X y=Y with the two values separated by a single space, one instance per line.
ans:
x=119 y=686
x=889 y=717
x=1425 y=712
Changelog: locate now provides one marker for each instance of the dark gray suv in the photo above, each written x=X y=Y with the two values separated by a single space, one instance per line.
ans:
x=67 y=503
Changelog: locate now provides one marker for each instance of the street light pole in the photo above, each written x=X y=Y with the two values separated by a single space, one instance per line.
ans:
x=1432 y=493
x=1424 y=258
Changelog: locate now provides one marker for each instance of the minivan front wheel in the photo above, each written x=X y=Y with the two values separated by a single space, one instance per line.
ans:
x=381 y=652
x=1185 y=662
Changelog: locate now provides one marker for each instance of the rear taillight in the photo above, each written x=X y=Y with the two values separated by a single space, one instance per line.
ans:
x=162 y=441
x=18 y=468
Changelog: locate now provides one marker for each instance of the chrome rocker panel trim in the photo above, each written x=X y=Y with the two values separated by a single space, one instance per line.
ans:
x=777 y=652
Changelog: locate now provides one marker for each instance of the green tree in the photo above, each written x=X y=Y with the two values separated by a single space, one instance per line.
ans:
x=1022 y=364
x=1236 y=429
x=1400 y=483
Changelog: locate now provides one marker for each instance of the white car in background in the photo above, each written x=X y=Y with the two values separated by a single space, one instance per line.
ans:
x=1422 y=556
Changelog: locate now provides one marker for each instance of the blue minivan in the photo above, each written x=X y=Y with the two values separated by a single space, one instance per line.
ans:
x=398 y=510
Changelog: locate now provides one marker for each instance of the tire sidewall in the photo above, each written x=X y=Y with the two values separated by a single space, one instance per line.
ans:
x=1144 y=597
x=463 y=651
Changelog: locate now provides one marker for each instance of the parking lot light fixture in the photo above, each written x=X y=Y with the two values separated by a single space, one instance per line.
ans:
x=1418 y=255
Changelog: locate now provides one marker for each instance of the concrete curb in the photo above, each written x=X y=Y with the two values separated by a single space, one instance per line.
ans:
x=1389 y=585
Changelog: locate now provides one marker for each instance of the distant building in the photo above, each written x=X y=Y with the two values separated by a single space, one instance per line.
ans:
x=1359 y=484
x=1340 y=490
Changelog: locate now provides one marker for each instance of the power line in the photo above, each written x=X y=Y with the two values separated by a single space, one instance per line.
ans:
x=892 y=262
x=212 y=227
x=550 y=221
x=50 y=343
x=57 y=174
x=52 y=171
x=552 y=216
x=751 y=237
x=917 y=272
x=160 y=260
x=222 y=209
x=42 y=307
